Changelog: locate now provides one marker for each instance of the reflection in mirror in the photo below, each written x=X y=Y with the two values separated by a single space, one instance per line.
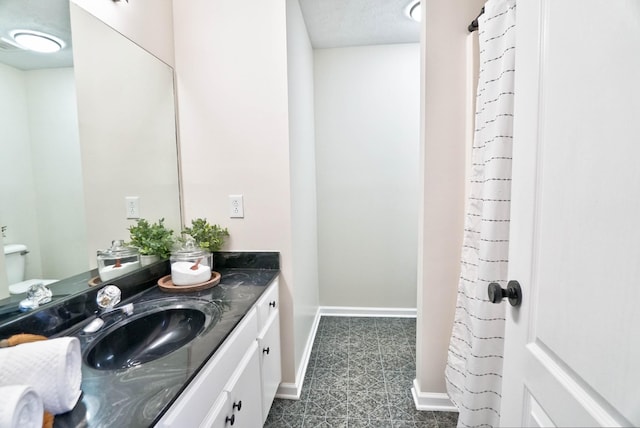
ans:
x=64 y=175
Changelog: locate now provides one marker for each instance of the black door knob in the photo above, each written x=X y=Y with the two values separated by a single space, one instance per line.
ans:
x=265 y=350
x=237 y=405
x=513 y=293
x=230 y=420
x=272 y=304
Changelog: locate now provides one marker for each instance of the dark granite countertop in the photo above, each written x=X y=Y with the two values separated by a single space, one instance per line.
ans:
x=138 y=396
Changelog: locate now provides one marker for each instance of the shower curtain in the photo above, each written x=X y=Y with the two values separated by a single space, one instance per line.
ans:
x=474 y=366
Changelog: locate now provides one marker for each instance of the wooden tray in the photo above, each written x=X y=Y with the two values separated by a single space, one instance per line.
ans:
x=166 y=284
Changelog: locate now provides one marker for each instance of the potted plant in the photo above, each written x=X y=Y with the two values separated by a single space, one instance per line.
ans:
x=207 y=236
x=153 y=240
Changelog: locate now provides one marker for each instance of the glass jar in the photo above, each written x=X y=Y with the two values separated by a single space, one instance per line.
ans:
x=190 y=265
x=117 y=260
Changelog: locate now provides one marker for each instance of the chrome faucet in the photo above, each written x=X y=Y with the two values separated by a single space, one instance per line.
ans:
x=37 y=294
x=108 y=297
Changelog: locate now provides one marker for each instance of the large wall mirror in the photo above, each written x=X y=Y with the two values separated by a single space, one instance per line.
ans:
x=80 y=133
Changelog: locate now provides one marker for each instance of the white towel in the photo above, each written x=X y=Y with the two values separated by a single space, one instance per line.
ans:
x=20 y=407
x=52 y=367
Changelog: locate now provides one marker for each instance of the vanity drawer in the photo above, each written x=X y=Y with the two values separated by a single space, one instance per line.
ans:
x=268 y=304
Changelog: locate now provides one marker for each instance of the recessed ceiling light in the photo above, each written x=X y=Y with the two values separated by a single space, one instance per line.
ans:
x=414 y=11
x=36 y=41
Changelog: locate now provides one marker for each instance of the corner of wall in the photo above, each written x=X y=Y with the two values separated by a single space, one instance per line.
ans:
x=442 y=180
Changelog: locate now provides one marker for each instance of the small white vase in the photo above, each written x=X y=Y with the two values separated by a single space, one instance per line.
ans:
x=147 y=260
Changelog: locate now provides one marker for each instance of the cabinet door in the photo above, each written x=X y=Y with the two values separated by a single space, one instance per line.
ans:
x=218 y=416
x=269 y=343
x=244 y=404
x=268 y=305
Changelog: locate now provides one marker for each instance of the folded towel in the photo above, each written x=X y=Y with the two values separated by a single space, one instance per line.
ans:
x=20 y=407
x=52 y=367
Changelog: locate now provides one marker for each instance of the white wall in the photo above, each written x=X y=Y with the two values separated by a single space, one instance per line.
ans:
x=442 y=160
x=18 y=207
x=55 y=153
x=303 y=178
x=367 y=102
x=41 y=186
x=231 y=72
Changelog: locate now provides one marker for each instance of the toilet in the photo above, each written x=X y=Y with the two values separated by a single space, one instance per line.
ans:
x=15 y=262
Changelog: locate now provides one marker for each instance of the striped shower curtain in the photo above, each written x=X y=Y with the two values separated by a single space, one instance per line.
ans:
x=474 y=366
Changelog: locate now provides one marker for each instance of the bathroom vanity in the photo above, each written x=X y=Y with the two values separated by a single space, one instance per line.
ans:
x=227 y=374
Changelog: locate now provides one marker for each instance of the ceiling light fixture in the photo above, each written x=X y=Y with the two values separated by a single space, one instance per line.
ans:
x=36 y=41
x=414 y=11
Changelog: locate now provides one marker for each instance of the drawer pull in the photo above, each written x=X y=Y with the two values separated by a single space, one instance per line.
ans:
x=230 y=420
x=265 y=350
x=272 y=304
x=238 y=405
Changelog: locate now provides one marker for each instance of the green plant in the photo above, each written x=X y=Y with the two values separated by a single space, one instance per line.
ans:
x=152 y=239
x=209 y=237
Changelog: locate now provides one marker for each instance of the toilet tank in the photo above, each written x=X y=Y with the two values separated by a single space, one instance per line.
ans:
x=15 y=258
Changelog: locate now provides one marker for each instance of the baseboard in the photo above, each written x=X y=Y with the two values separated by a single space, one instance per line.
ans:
x=436 y=401
x=348 y=311
x=292 y=391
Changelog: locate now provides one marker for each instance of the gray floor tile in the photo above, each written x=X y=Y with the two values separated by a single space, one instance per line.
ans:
x=398 y=361
x=287 y=421
x=361 y=380
x=446 y=419
x=363 y=344
x=329 y=378
x=288 y=407
x=399 y=381
x=367 y=361
x=338 y=359
x=368 y=423
x=311 y=421
x=359 y=374
x=368 y=405
x=409 y=424
x=330 y=403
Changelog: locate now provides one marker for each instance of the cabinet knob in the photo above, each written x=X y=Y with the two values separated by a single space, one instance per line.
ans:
x=230 y=420
x=272 y=304
x=265 y=350
x=237 y=405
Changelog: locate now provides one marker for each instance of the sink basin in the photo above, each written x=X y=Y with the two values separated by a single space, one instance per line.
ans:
x=146 y=338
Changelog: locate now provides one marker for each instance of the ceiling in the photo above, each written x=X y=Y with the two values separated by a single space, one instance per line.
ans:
x=47 y=16
x=341 y=23
x=331 y=24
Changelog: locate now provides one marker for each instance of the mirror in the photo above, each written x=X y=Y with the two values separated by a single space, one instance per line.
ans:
x=67 y=167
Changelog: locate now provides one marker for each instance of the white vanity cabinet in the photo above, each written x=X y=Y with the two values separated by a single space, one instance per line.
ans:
x=241 y=405
x=237 y=385
x=269 y=346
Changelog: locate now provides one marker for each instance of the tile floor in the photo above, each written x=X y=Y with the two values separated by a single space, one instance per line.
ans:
x=360 y=375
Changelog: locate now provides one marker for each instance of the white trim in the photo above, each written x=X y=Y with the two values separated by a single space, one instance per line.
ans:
x=349 y=311
x=436 y=401
x=292 y=391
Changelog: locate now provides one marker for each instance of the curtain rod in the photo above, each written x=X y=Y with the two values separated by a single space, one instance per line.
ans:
x=474 y=24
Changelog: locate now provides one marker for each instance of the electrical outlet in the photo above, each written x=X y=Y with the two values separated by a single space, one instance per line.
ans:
x=133 y=207
x=236 y=206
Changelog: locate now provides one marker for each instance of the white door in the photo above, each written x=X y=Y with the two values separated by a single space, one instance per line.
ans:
x=572 y=352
